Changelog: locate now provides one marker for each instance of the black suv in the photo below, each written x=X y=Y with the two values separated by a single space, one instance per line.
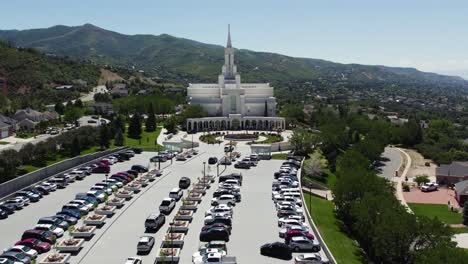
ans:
x=212 y=160
x=154 y=222
x=184 y=183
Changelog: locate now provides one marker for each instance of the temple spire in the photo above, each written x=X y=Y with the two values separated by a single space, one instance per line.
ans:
x=229 y=45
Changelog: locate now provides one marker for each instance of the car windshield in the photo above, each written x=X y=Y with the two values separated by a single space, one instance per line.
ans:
x=165 y=203
x=21 y=255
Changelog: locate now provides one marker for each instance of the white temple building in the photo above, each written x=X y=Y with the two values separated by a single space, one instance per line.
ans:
x=232 y=105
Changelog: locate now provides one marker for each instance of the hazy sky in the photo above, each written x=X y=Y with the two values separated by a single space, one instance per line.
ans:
x=427 y=34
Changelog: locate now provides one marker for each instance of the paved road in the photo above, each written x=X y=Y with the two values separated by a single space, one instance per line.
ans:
x=392 y=164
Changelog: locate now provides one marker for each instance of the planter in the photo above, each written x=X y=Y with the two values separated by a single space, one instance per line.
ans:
x=142 y=181
x=70 y=245
x=193 y=196
x=176 y=241
x=189 y=205
x=180 y=226
x=149 y=177
x=156 y=172
x=124 y=194
x=117 y=202
x=56 y=258
x=132 y=187
x=186 y=215
x=203 y=185
x=86 y=232
x=95 y=220
x=105 y=210
x=199 y=189
x=168 y=255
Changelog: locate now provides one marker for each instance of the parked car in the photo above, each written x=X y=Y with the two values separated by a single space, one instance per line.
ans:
x=218 y=218
x=137 y=150
x=181 y=157
x=107 y=186
x=220 y=209
x=199 y=257
x=60 y=183
x=214 y=234
x=71 y=220
x=158 y=158
x=217 y=225
x=72 y=213
x=140 y=168
x=311 y=258
x=99 y=195
x=145 y=244
x=16 y=257
x=87 y=170
x=104 y=189
x=221 y=191
x=36 y=244
x=242 y=165
x=287 y=228
x=58 y=232
x=45 y=236
x=101 y=169
x=88 y=198
x=303 y=244
x=154 y=221
x=7 y=208
x=133 y=260
x=16 y=202
x=429 y=187
x=167 y=205
x=23 y=249
x=83 y=205
x=53 y=220
x=51 y=187
x=184 y=183
x=224 y=199
x=3 y=214
x=212 y=160
x=276 y=250
x=112 y=181
x=24 y=199
x=78 y=174
x=294 y=233
x=35 y=191
x=176 y=194
x=225 y=161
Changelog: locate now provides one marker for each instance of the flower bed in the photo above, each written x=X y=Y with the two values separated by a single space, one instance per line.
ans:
x=117 y=202
x=194 y=196
x=95 y=219
x=56 y=258
x=186 y=215
x=105 y=210
x=134 y=187
x=199 y=189
x=70 y=245
x=166 y=255
x=241 y=137
x=149 y=177
x=124 y=194
x=142 y=181
x=189 y=205
x=173 y=240
x=180 y=226
x=83 y=231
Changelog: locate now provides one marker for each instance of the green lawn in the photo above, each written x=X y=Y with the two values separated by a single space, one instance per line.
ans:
x=279 y=156
x=328 y=179
x=436 y=210
x=459 y=230
x=146 y=142
x=343 y=248
x=270 y=138
x=4 y=143
x=27 y=134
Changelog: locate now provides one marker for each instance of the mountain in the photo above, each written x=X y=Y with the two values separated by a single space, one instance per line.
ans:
x=187 y=60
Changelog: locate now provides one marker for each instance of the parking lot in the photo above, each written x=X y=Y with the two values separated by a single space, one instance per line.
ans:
x=254 y=221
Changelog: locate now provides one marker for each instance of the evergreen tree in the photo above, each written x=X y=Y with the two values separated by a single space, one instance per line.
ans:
x=104 y=139
x=59 y=108
x=265 y=113
x=151 y=120
x=134 y=128
x=465 y=213
x=119 y=124
x=78 y=103
x=75 y=147
x=119 y=138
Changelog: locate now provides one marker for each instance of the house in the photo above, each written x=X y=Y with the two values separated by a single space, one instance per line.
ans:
x=102 y=108
x=396 y=120
x=452 y=173
x=5 y=130
x=29 y=118
x=51 y=115
x=119 y=89
x=461 y=192
x=27 y=124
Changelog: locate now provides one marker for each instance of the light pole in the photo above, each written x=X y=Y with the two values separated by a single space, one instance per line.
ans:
x=192 y=142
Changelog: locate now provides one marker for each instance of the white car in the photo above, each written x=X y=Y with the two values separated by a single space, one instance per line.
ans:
x=18 y=203
x=119 y=184
x=51 y=186
x=302 y=243
x=54 y=229
x=284 y=230
x=228 y=186
x=23 y=249
x=220 y=209
x=310 y=258
x=429 y=187
x=111 y=161
x=102 y=189
x=227 y=199
x=282 y=220
x=290 y=222
x=109 y=185
x=24 y=199
x=99 y=195
x=134 y=260
x=78 y=174
x=197 y=257
x=83 y=204
x=289 y=207
x=283 y=204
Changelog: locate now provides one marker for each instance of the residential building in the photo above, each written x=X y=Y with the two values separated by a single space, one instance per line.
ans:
x=461 y=192
x=119 y=89
x=452 y=173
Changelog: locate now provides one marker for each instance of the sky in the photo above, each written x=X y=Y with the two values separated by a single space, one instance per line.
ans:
x=430 y=35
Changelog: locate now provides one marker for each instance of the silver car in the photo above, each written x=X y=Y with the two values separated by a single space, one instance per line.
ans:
x=311 y=258
x=303 y=244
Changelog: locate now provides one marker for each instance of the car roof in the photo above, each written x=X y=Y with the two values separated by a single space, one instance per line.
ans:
x=299 y=238
x=145 y=238
x=168 y=199
x=175 y=190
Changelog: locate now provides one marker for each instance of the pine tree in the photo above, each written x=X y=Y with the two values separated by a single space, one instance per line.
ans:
x=151 y=120
x=119 y=138
x=59 y=108
x=75 y=147
x=465 y=213
x=134 y=128
x=104 y=140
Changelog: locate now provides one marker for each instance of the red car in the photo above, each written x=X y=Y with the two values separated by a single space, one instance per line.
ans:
x=123 y=176
x=126 y=175
x=101 y=169
x=296 y=232
x=35 y=244
x=105 y=162
x=45 y=236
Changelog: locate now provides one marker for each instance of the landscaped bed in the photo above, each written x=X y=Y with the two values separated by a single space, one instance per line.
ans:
x=84 y=231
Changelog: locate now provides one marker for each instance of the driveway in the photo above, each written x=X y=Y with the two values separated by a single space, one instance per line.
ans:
x=392 y=161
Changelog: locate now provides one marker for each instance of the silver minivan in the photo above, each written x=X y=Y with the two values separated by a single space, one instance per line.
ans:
x=176 y=193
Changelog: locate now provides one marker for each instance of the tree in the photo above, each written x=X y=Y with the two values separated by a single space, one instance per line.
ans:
x=315 y=165
x=465 y=213
x=119 y=138
x=78 y=103
x=119 y=124
x=72 y=114
x=265 y=113
x=150 y=124
x=59 y=108
x=134 y=128
x=75 y=147
x=303 y=141
x=104 y=139
x=171 y=125
x=421 y=179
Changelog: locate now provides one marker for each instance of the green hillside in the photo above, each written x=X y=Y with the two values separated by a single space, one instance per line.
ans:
x=188 y=61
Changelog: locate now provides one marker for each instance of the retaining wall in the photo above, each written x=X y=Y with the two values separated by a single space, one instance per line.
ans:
x=18 y=183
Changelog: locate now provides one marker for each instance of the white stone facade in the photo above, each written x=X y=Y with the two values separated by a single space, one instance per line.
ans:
x=232 y=104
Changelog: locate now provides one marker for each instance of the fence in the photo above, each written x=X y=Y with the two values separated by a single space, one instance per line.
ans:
x=325 y=248
x=18 y=183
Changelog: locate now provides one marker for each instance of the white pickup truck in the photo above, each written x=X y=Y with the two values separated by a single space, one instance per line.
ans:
x=218 y=258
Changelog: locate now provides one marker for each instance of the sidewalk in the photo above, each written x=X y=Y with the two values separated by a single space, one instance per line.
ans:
x=399 y=180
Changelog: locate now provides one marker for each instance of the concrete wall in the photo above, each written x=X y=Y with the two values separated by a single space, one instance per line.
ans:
x=18 y=183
